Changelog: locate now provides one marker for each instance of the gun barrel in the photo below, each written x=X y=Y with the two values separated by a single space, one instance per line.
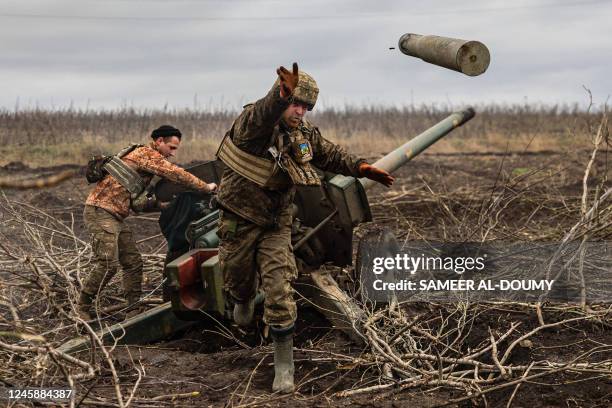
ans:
x=415 y=146
x=470 y=57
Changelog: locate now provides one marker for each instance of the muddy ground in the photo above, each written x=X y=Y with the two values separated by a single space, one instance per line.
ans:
x=436 y=197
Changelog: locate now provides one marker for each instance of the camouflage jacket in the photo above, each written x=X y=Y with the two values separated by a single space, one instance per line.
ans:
x=114 y=198
x=254 y=131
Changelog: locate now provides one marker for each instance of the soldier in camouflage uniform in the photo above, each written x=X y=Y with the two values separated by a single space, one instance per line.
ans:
x=109 y=203
x=269 y=150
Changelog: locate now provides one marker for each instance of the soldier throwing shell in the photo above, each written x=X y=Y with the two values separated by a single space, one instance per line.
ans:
x=269 y=150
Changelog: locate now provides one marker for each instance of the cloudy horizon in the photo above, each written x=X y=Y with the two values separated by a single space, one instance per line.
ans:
x=222 y=54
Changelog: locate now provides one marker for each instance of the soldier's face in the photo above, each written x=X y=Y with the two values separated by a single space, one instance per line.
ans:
x=167 y=146
x=294 y=113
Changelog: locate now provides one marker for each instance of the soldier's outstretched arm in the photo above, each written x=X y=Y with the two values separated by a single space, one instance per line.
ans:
x=153 y=162
x=331 y=157
x=258 y=120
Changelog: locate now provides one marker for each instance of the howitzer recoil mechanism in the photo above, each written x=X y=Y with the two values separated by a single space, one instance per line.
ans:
x=322 y=233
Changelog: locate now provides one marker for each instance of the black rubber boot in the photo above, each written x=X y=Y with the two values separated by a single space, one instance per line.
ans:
x=283 y=359
x=243 y=313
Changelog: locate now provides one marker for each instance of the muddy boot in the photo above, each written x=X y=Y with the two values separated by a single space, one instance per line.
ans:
x=283 y=359
x=134 y=307
x=243 y=313
x=84 y=306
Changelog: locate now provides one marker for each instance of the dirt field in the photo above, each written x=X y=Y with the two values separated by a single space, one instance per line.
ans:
x=437 y=197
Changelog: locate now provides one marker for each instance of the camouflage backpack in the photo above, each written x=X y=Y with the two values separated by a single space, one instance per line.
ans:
x=142 y=196
x=96 y=167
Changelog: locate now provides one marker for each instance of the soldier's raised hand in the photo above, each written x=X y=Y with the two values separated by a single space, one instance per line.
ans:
x=288 y=80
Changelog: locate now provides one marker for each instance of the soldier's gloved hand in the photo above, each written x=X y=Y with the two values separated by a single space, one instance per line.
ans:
x=212 y=187
x=288 y=80
x=376 y=174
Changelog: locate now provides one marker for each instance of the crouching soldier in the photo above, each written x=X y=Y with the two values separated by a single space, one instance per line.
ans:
x=269 y=150
x=125 y=182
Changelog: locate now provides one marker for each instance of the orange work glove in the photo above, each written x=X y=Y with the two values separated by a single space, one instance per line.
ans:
x=376 y=174
x=288 y=80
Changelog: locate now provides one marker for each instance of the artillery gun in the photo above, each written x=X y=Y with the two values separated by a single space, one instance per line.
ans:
x=322 y=234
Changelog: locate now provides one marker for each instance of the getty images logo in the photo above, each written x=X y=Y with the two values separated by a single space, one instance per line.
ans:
x=411 y=264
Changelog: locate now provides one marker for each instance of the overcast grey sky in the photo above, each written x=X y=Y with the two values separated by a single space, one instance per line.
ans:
x=145 y=53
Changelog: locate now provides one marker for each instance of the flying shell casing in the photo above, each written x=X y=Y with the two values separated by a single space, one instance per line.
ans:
x=470 y=57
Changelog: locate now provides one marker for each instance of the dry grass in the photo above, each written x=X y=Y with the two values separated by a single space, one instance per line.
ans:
x=43 y=138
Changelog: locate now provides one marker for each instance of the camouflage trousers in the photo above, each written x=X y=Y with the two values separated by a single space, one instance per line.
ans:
x=248 y=254
x=113 y=246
